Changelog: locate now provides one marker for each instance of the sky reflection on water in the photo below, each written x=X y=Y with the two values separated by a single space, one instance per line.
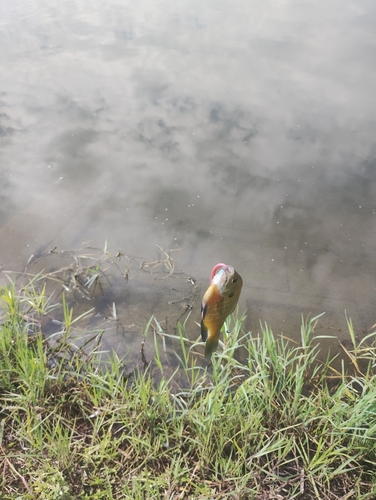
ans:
x=240 y=132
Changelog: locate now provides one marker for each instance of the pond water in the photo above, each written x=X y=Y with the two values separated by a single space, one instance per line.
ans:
x=234 y=131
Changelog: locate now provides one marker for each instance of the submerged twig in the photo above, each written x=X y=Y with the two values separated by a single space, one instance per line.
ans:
x=167 y=263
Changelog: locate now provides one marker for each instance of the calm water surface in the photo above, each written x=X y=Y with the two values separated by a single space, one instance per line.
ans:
x=234 y=131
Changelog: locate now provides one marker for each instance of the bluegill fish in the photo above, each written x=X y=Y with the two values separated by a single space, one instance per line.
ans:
x=219 y=301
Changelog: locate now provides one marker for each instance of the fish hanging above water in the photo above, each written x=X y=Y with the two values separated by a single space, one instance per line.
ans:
x=219 y=301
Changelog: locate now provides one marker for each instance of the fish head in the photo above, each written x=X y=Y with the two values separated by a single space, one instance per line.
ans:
x=226 y=279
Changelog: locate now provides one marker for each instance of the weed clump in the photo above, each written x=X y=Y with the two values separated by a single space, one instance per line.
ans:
x=279 y=424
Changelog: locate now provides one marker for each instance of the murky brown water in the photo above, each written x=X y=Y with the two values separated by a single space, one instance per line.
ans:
x=241 y=132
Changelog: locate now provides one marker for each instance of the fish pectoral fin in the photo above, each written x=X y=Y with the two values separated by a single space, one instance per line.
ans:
x=204 y=308
x=204 y=332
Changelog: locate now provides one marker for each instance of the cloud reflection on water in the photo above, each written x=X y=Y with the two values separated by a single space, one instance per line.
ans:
x=241 y=131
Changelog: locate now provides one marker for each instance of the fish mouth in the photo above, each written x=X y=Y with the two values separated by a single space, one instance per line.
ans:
x=217 y=268
x=218 y=271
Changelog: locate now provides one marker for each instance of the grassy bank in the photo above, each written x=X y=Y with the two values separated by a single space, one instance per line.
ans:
x=282 y=426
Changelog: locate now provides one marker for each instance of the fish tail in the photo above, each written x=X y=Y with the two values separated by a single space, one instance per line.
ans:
x=210 y=346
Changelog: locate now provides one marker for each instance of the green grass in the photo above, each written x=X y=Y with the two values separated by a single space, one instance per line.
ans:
x=281 y=425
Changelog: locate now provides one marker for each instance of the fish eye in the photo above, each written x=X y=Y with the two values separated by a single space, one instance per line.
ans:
x=234 y=280
x=231 y=294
